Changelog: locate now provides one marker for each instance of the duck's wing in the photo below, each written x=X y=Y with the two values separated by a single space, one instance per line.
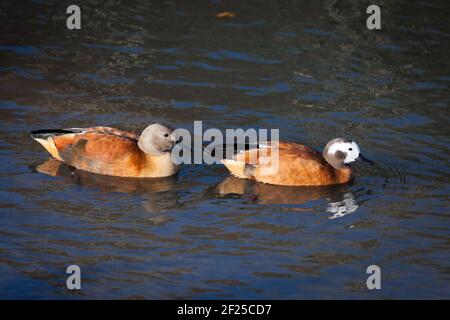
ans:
x=263 y=153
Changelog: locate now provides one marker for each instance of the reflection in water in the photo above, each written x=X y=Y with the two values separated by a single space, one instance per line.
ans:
x=340 y=199
x=153 y=189
x=54 y=167
x=341 y=208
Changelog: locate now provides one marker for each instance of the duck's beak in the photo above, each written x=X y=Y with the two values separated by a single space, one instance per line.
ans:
x=364 y=159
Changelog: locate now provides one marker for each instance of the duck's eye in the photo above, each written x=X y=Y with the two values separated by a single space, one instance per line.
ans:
x=350 y=149
x=166 y=135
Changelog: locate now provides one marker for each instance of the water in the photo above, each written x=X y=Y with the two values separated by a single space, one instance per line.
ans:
x=311 y=69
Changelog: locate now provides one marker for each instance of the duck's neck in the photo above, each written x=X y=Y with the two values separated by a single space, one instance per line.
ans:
x=158 y=166
x=342 y=171
x=334 y=161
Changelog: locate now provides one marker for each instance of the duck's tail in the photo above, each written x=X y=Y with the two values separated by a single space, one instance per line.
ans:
x=239 y=169
x=46 y=133
x=45 y=138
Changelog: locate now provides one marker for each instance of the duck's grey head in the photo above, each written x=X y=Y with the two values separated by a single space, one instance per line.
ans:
x=340 y=152
x=157 y=139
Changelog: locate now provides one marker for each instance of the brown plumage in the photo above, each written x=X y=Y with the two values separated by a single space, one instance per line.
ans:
x=296 y=164
x=111 y=151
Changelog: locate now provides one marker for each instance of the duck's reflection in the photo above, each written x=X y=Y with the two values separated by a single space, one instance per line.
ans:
x=340 y=199
x=343 y=207
x=153 y=189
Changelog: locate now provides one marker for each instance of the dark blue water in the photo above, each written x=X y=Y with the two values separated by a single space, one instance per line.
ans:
x=311 y=69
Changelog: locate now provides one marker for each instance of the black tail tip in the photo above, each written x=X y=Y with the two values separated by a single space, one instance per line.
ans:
x=44 y=134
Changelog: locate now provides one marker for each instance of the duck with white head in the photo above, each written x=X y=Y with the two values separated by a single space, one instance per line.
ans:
x=298 y=165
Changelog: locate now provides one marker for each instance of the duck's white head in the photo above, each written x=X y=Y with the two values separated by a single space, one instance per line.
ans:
x=340 y=152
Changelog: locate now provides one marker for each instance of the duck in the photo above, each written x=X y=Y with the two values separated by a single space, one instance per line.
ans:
x=293 y=164
x=113 y=152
